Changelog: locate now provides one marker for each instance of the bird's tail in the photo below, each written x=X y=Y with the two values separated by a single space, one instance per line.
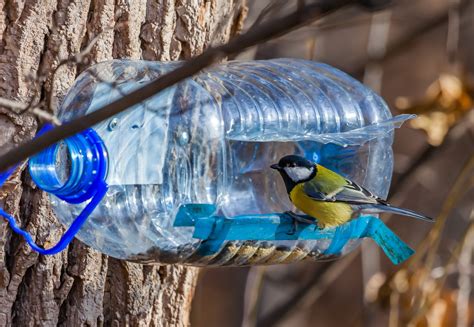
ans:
x=400 y=211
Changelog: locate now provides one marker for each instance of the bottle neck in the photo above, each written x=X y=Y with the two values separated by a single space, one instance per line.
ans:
x=72 y=168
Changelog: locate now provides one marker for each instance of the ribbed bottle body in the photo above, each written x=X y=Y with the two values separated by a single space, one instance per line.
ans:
x=211 y=139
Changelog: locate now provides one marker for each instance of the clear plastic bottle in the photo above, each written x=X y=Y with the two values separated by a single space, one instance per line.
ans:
x=211 y=139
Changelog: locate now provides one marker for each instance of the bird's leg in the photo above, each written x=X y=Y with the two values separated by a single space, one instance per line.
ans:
x=297 y=219
x=295 y=222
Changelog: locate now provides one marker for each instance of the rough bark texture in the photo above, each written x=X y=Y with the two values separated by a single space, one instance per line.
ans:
x=81 y=286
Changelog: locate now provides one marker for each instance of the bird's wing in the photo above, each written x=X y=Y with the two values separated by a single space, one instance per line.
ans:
x=349 y=192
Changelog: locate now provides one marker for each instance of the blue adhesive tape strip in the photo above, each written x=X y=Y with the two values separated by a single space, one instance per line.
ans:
x=215 y=230
x=394 y=248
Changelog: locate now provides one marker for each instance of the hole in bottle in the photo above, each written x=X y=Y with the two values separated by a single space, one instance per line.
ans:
x=63 y=163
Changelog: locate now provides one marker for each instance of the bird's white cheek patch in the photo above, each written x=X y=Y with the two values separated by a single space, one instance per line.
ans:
x=298 y=173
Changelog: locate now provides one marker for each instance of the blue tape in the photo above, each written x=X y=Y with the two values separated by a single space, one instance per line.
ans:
x=215 y=230
x=394 y=248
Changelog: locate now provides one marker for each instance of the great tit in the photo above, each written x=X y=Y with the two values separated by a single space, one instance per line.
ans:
x=327 y=196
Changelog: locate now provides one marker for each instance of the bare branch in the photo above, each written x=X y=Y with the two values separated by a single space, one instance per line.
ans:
x=253 y=295
x=45 y=116
x=376 y=48
x=20 y=108
x=14 y=105
x=76 y=59
x=35 y=107
x=308 y=292
x=271 y=8
x=464 y=279
x=400 y=45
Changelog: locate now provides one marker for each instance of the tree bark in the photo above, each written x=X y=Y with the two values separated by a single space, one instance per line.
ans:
x=81 y=286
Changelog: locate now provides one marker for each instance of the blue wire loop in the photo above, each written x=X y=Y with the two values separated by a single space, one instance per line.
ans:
x=86 y=181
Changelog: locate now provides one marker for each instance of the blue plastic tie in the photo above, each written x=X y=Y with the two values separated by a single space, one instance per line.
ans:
x=215 y=230
x=88 y=183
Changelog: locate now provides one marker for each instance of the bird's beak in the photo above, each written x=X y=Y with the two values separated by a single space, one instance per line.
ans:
x=275 y=166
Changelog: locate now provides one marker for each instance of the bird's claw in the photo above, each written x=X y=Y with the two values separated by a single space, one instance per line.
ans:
x=295 y=223
x=297 y=219
x=294 y=228
x=318 y=226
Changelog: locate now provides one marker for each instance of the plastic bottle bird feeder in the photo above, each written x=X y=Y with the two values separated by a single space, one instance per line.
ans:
x=186 y=173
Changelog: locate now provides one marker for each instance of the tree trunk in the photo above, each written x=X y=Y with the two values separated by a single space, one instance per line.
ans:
x=81 y=286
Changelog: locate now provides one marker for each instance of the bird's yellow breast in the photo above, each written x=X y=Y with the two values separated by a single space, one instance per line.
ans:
x=328 y=214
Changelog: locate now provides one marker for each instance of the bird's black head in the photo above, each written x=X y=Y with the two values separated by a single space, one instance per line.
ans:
x=294 y=170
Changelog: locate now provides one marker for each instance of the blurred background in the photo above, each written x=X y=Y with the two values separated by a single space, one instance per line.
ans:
x=419 y=55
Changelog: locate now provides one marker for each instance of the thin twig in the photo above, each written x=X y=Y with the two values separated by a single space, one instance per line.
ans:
x=254 y=36
x=430 y=244
x=271 y=8
x=308 y=292
x=464 y=279
x=428 y=152
x=14 y=105
x=454 y=24
x=252 y=295
x=76 y=59
x=424 y=303
x=45 y=116
x=394 y=315
x=19 y=108
x=36 y=108
x=376 y=48
x=400 y=45
x=427 y=250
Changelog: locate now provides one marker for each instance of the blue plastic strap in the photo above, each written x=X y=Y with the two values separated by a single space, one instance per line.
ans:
x=71 y=232
x=215 y=230
x=87 y=183
x=4 y=176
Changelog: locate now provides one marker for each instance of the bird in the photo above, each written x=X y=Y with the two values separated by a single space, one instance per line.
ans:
x=328 y=197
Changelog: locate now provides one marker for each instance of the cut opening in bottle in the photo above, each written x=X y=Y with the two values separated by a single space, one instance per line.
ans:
x=63 y=162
